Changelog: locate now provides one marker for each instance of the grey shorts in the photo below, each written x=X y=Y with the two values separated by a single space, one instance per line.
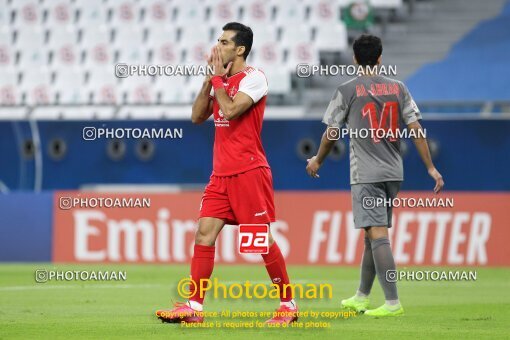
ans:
x=370 y=203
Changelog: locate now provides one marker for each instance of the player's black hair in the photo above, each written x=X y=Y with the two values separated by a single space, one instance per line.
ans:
x=243 y=37
x=367 y=49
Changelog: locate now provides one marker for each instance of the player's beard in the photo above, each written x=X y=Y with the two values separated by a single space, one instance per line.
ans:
x=227 y=61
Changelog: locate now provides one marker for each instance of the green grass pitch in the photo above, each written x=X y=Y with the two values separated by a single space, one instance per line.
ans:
x=125 y=309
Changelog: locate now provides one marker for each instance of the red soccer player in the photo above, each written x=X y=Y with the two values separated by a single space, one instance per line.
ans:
x=240 y=190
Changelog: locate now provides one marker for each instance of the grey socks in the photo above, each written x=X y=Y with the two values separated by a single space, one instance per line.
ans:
x=367 y=270
x=383 y=261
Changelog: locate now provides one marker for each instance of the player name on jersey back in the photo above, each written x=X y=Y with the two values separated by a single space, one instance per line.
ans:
x=373 y=103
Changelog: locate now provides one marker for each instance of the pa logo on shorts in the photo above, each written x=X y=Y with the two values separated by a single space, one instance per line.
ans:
x=253 y=239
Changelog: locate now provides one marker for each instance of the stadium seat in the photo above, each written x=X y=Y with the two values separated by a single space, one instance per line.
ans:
x=324 y=11
x=69 y=85
x=197 y=42
x=95 y=35
x=157 y=13
x=193 y=86
x=216 y=32
x=331 y=37
x=132 y=55
x=125 y=13
x=29 y=37
x=203 y=33
x=302 y=53
x=269 y=53
x=60 y=13
x=278 y=79
x=9 y=89
x=5 y=14
x=221 y=12
x=129 y=45
x=264 y=33
x=289 y=16
x=295 y=35
x=138 y=90
x=32 y=58
x=99 y=56
x=103 y=86
x=30 y=47
x=6 y=36
x=189 y=14
x=300 y=47
x=257 y=13
x=7 y=56
x=64 y=56
x=196 y=54
x=156 y=34
x=164 y=50
x=269 y=57
x=96 y=47
x=128 y=36
x=27 y=13
x=63 y=35
x=36 y=86
x=91 y=13
x=170 y=90
x=166 y=53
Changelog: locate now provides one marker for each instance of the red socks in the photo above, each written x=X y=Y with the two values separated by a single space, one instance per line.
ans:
x=275 y=265
x=202 y=265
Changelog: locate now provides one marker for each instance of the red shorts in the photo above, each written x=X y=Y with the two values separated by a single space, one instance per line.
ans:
x=242 y=198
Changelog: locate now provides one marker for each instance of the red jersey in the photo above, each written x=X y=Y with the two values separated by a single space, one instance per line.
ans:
x=237 y=143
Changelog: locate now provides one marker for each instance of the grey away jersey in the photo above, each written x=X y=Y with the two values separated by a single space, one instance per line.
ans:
x=373 y=102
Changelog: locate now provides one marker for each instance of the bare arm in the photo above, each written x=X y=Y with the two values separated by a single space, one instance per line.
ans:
x=423 y=150
x=202 y=106
x=316 y=161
